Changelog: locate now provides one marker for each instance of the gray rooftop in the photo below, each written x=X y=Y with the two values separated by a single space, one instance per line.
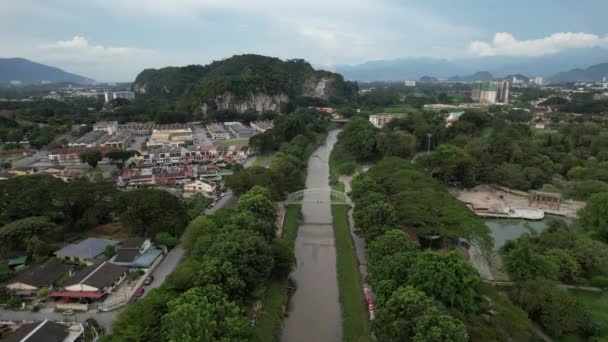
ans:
x=89 y=248
x=90 y=137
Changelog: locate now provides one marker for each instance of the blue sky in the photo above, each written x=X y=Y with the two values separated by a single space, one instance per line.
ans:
x=112 y=40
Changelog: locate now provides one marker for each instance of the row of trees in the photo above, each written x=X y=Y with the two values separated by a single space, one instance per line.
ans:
x=397 y=192
x=48 y=208
x=497 y=145
x=294 y=138
x=231 y=255
x=425 y=295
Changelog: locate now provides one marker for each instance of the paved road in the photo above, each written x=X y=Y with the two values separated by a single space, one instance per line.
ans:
x=166 y=267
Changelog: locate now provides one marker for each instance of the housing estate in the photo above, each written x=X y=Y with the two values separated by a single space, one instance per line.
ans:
x=27 y=282
x=86 y=252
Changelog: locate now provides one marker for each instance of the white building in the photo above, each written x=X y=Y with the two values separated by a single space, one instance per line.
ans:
x=410 y=83
x=201 y=187
x=218 y=131
x=379 y=120
x=261 y=126
x=109 y=127
x=538 y=80
x=109 y=96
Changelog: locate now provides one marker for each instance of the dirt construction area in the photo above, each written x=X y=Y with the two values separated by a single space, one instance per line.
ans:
x=499 y=200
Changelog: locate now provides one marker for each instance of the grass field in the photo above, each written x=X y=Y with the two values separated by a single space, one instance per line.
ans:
x=355 y=319
x=597 y=303
x=270 y=318
x=232 y=142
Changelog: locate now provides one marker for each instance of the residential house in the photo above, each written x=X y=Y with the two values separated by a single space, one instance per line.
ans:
x=110 y=127
x=218 y=131
x=46 y=331
x=88 y=251
x=120 y=140
x=136 y=253
x=201 y=187
x=239 y=130
x=379 y=120
x=261 y=126
x=539 y=123
x=32 y=279
x=91 y=139
x=93 y=282
x=72 y=154
x=178 y=137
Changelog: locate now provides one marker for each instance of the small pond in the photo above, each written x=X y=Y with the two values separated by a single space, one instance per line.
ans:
x=509 y=229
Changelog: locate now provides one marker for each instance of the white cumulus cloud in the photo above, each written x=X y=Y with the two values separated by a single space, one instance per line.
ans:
x=505 y=44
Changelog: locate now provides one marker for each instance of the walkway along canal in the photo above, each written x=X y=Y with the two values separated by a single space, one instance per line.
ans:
x=314 y=308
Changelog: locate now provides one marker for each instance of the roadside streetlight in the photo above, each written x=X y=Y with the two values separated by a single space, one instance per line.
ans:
x=429 y=135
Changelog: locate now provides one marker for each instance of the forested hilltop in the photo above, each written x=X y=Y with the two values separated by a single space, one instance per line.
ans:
x=243 y=83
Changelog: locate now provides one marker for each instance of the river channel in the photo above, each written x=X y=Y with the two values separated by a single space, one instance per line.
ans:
x=314 y=308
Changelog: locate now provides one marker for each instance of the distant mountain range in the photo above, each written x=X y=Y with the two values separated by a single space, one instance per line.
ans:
x=549 y=66
x=594 y=73
x=28 y=72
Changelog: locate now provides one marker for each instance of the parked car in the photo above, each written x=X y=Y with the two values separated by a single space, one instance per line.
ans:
x=149 y=280
x=68 y=313
x=139 y=292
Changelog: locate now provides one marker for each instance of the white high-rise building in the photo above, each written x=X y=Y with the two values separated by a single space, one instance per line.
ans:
x=538 y=80
x=109 y=96
x=410 y=83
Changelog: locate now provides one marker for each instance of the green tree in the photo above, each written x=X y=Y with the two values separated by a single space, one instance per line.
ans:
x=396 y=143
x=524 y=262
x=5 y=272
x=446 y=277
x=592 y=256
x=37 y=249
x=109 y=251
x=391 y=242
x=141 y=321
x=223 y=274
x=569 y=270
x=557 y=311
x=149 y=212
x=166 y=239
x=258 y=201
x=91 y=157
x=437 y=327
x=284 y=258
x=16 y=233
x=359 y=138
x=375 y=219
x=247 y=251
x=204 y=314
x=449 y=164
x=397 y=319
x=119 y=157
x=594 y=216
x=409 y=314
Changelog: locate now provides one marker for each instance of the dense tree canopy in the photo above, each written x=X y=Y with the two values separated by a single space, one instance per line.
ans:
x=148 y=211
x=204 y=314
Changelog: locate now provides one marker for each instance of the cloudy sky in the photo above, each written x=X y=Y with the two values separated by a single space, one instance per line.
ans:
x=112 y=40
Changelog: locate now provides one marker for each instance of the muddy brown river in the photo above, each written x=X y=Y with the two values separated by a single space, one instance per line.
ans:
x=314 y=308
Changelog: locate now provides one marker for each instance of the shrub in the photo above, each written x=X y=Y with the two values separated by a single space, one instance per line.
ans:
x=14 y=303
x=600 y=281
